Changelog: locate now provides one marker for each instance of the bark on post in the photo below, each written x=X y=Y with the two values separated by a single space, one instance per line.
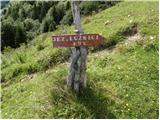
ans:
x=77 y=69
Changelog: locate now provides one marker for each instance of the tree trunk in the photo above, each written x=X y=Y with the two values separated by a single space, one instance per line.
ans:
x=77 y=69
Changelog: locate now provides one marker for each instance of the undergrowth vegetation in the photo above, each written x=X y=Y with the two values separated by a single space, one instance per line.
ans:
x=122 y=74
x=22 y=20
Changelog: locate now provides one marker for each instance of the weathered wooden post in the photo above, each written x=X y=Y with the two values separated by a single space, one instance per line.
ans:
x=77 y=70
x=76 y=78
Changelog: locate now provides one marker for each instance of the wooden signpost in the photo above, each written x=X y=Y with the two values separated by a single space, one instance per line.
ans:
x=78 y=45
x=77 y=40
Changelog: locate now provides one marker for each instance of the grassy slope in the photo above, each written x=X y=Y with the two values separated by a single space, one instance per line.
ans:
x=121 y=84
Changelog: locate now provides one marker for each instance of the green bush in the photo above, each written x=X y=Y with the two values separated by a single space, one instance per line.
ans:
x=22 y=20
x=68 y=18
x=20 y=33
x=13 y=9
x=60 y=12
x=13 y=33
x=48 y=24
x=32 y=27
x=40 y=47
x=8 y=32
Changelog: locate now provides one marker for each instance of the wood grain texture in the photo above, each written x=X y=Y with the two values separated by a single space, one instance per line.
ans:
x=77 y=69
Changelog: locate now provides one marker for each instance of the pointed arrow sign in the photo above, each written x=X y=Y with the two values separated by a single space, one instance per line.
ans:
x=77 y=40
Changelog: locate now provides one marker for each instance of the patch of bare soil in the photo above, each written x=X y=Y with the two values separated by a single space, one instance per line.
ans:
x=132 y=35
x=133 y=38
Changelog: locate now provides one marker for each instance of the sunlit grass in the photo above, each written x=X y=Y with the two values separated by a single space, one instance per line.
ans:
x=120 y=84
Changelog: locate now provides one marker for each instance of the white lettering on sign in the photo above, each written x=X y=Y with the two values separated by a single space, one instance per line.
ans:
x=74 y=43
x=77 y=38
x=78 y=43
x=97 y=37
x=62 y=38
x=70 y=38
x=84 y=38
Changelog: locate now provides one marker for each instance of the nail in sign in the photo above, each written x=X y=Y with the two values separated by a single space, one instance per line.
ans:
x=77 y=40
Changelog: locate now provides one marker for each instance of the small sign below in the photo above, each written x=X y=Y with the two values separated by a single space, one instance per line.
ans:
x=77 y=40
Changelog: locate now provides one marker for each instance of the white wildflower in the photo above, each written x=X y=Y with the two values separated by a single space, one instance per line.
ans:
x=130 y=21
x=151 y=37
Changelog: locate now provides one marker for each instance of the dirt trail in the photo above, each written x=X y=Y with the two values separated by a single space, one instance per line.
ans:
x=128 y=41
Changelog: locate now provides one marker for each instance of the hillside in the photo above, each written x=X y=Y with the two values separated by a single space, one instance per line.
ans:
x=122 y=74
x=23 y=20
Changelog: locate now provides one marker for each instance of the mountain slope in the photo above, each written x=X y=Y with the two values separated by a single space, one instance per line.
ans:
x=122 y=80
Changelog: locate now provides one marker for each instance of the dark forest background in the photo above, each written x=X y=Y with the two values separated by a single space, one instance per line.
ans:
x=23 y=20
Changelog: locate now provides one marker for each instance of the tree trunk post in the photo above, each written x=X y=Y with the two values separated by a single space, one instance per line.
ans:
x=77 y=70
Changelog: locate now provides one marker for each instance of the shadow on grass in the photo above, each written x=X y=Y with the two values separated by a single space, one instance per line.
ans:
x=91 y=97
x=96 y=103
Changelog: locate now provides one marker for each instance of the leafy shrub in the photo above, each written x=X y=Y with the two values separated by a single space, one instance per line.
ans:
x=25 y=10
x=13 y=33
x=13 y=9
x=40 y=47
x=22 y=20
x=20 y=33
x=68 y=18
x=32 y=28
x=8 y=32
x=59 y=12
x=31 y=25
x=48 y=24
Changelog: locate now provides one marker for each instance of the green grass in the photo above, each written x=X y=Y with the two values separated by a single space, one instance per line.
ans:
x=120 y=84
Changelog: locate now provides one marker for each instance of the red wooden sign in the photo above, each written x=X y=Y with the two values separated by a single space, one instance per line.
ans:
x=77 y=40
